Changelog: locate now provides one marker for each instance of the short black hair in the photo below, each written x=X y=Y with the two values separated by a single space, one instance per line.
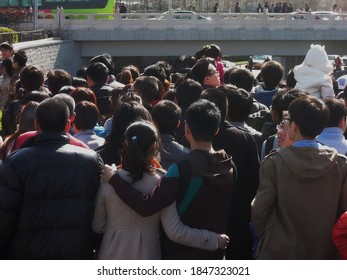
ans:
x=106 y=59
x=98 y=72
x=57 y=78
x=79 y=82
x=52 y=115
x=200 y=70
x=166 y=115
x=157 y=71
x=282 y=99
x=310 y=114
x=240 y=104
x=203 y=118
x=83 y=94
x=337 y=111
x=20 y=57
x=6 y=46
x=87 y=115
x=219 y=98
x=187 y=92
x=31 y=77
x=149 y=88
x=241 y=78
x=271 y=73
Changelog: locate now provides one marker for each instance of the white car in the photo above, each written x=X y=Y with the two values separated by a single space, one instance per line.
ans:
x=181 y=15
x=319 y=15
x=344 y=59
x=325 y=15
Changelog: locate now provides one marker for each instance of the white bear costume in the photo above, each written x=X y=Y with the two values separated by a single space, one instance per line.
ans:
x=314 y=74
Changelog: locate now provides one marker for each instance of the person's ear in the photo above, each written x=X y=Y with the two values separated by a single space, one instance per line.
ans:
x=67 y=126
x=72 y=118
x=178 y=123
x=293 y=127
x=187 y=131
x=216 y=131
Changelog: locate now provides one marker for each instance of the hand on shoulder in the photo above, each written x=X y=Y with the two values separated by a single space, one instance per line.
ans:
x=108 y=172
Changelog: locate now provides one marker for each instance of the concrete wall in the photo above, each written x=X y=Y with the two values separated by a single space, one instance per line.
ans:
x=53 y=54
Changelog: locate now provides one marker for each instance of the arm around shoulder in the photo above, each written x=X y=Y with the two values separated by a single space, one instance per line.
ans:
x=192 y=237
x=146 y=204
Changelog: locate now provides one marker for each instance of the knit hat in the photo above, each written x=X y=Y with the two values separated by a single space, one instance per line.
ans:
x=317 y=58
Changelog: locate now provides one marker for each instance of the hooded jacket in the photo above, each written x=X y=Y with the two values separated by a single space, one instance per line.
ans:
x=313 y=75
x=263 y=94
x=302 y=192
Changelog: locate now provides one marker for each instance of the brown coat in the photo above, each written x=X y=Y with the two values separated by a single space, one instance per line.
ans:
x=302 y=192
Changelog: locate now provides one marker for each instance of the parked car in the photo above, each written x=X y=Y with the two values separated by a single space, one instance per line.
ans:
x=181 y=15
x=299 y=15
x=323 y=15
x=344 y=59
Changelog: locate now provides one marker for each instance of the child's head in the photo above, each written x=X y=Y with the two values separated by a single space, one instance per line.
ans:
x=317 y=58
x=271 y=73
x=166 y=116
x=202 y=119
x=87 y=116
x=141 y=146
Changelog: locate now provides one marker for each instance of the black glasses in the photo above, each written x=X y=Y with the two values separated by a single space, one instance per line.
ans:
x=286 y=118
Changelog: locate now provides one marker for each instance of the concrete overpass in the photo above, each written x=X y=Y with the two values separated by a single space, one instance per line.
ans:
x=284 y=36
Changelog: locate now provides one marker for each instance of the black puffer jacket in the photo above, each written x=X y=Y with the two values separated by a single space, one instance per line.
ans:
x=47 y=192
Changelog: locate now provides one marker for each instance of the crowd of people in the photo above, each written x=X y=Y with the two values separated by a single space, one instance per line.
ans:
x=206 y=163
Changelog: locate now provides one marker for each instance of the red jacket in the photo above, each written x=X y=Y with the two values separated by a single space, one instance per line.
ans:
x=340 y=236
x=28 y=135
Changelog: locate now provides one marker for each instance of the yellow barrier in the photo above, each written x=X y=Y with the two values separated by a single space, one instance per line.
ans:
x=14 y=34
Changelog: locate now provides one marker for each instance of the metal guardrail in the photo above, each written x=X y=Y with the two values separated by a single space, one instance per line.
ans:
x=68 y=21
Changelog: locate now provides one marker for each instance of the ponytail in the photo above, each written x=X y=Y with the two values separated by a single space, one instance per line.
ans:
x=138 y=153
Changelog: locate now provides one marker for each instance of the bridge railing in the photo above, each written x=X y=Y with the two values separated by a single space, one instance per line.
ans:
x=68 y=21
